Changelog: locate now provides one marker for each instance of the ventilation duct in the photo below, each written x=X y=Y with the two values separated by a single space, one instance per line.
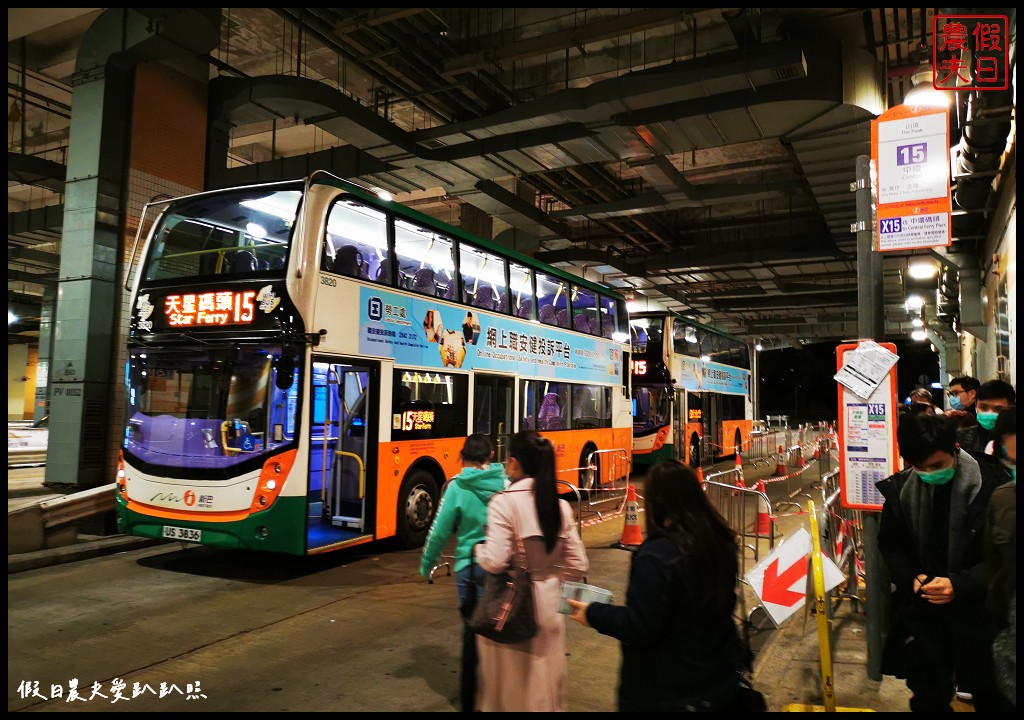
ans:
x=986 y=125
x=947 y=296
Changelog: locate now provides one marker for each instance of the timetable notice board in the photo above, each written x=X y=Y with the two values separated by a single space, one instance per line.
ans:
x=867 y=433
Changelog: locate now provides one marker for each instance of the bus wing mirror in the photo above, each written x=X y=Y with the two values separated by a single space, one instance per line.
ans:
x=285 y=372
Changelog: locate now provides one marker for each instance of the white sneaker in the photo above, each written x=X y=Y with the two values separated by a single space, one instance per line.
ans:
x=964 y=696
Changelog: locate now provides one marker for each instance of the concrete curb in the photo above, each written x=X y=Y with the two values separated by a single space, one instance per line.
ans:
x=79 y=551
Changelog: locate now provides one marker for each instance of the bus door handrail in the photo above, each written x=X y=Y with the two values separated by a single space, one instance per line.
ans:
x=362 y=471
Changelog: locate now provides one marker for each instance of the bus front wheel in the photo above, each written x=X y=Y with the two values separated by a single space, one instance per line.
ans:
x=694 y=451
x=417 y=505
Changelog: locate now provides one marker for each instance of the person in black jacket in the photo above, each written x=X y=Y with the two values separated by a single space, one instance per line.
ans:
x=931 y=537
x=1001 y=536
x=993 y=397
x=681 y=650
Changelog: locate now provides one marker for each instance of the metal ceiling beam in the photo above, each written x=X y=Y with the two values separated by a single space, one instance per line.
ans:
x=561 y=40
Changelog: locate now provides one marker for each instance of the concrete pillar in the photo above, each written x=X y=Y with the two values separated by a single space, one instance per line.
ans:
x=41 y=406
x=88 y=291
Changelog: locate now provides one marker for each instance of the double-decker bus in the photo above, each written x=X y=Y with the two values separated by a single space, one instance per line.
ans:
x=305 y=360
x=691 y=390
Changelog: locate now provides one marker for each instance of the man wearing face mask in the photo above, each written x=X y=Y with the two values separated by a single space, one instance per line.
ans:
x=992 y=396
x=962 y=393
x=931 y=537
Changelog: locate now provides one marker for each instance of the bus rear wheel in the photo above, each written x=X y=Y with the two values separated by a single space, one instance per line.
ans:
x=417 y=505
x=694 y=451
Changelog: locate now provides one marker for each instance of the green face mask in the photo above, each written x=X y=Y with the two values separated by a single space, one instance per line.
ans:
x=987 y=419
x=939 y=477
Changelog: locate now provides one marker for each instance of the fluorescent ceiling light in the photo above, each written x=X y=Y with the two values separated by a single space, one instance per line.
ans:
x=919 y=335
x=917 y=322
x=923 y=270
x=914 y=303
x=927 y=97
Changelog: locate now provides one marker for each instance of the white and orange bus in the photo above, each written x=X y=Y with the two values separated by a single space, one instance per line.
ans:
x=691 y=390
x=306 y=359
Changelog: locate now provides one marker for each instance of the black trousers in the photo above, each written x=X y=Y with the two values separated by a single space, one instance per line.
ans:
x=470 y=584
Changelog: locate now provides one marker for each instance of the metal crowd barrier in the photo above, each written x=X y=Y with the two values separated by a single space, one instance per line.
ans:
x=762 y=448
x=840 y=539
x=613 y=465
x=748 y=511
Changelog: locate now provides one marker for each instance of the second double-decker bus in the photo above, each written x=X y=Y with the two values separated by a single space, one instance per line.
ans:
x=691 y=390
x=305 y=360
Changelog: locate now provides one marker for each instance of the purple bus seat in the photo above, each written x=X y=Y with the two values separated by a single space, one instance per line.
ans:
x=549 y=416
x=484 y=299
x=581 y=323
x=547 y=315
x=607 y=327
x=562 y=318
x=423 y=282
x=525 y=308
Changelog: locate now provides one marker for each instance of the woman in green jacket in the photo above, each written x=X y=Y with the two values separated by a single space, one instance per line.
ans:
x=463 y=512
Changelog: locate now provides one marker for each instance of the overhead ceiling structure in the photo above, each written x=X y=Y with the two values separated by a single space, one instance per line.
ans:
x=695 y=159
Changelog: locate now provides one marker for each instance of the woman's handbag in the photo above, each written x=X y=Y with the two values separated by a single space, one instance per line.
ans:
x=505 y=613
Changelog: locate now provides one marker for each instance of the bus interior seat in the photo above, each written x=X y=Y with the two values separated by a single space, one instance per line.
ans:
x=581 y=323
x=382 y=272
x=525 y=308
x=326 y=259
x=562 y=318
x=208 y=260
x=502 y=305
x=449 y=292
x=484 y=298
x=349 y=261
x=549 y=415
x=278 y=263
x=244 y=262
x=581 y=401
x=423 y=282
x=548 y=315
x=607 y=327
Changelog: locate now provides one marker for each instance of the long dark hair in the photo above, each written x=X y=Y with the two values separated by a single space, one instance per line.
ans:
x=677 y=508
x=536 y=456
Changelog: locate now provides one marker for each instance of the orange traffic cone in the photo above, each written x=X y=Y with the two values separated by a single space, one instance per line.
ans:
x=800 y=458
x=780 y=463
x=817 y=443
x=700 y=474
x=631 y=535
x=764 y=518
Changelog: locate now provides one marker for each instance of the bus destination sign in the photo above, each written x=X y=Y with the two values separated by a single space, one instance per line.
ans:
x=209 y=308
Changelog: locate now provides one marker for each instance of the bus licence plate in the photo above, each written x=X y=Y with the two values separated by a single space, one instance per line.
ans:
x=177 y=533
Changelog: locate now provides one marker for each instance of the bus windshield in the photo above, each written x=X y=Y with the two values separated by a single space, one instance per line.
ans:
x=240 y=232
x=210 y=407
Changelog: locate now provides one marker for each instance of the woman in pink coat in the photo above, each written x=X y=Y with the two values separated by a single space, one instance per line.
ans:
x=531 y=675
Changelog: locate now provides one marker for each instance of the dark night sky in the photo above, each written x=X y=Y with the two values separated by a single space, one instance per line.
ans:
x=799 y=382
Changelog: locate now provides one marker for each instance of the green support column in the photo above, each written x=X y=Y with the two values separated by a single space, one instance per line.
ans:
x=41 y=404
x=87 y=295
